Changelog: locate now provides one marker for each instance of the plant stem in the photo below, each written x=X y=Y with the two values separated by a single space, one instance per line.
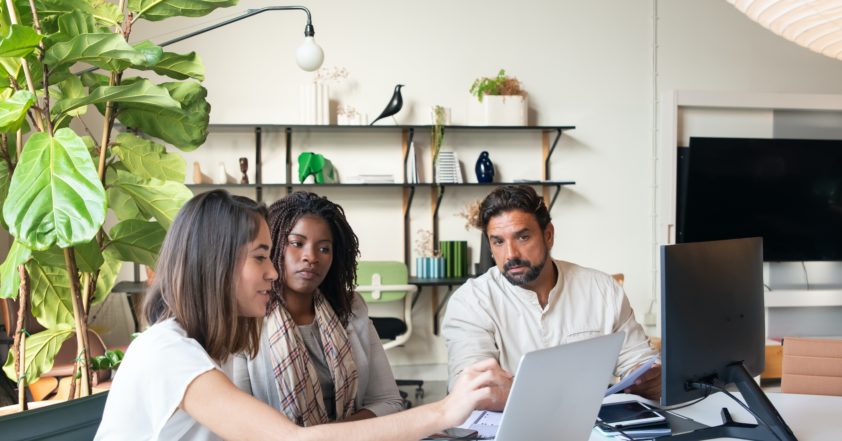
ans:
x=80 y=319
x=19 y=345
x=106 y=131
x=86 y=292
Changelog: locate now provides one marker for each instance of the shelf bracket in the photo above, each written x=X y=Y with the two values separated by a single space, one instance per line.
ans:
x=558 y=133
x=410 y=136
x=555 y=196
x=288 y=131
x=258 y=175
x=406 y=210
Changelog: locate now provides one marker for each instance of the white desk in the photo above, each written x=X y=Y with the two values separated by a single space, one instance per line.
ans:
x=811 y=417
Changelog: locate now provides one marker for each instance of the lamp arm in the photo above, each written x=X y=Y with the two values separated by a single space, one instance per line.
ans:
x=308 y=30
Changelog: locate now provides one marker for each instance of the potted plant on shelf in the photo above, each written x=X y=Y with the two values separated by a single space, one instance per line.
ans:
x=57 y=184
x=504 y=101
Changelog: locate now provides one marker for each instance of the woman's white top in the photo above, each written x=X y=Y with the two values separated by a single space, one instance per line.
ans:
x=145 y=397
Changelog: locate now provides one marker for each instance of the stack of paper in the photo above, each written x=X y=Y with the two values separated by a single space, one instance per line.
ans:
x=370 y=179
x=448 y=170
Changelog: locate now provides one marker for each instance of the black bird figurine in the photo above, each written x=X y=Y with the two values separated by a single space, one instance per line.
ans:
x=394 y=106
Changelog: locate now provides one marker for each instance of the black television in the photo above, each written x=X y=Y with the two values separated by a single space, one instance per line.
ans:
x=713 y=331
x=788 y=191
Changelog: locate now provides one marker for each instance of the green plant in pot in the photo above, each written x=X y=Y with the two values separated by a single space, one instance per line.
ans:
x=502 y=84
x=57 y=182
x=504 y=100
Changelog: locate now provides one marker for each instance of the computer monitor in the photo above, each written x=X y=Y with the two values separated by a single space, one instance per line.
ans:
x=713 y=331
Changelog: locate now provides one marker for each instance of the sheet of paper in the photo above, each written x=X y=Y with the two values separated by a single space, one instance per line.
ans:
x=629 y=379
x=485 y=422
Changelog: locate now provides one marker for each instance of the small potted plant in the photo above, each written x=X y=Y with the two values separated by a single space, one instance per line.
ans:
x=504 y=101
x=428 y=264
x=470 y=212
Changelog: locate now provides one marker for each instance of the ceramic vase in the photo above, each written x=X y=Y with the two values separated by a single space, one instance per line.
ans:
x=484 y=169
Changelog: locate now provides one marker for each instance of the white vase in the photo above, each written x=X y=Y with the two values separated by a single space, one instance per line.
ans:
x=505 y=110
x=314 y=103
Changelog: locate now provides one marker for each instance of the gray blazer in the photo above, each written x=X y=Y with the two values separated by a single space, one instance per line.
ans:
x=377 y=389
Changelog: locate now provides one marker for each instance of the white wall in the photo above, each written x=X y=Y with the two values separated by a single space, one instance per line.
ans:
x=584 y=63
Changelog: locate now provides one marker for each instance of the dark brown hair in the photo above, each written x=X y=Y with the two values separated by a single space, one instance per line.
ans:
x=338 y=285
x=513 y=197
x=196 y=272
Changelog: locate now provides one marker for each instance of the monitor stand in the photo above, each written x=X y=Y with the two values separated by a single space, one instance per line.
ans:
x=756 y=400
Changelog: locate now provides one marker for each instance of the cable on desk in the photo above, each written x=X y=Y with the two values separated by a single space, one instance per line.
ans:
x=611 y=428
x=707 y=387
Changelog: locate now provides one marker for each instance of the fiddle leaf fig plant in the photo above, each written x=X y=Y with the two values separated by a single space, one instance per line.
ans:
x=60 y=61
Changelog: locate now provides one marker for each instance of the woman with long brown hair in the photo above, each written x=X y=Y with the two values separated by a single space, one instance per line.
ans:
x=212 y=286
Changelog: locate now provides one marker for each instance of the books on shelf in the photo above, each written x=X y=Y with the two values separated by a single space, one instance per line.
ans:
x=412 y=165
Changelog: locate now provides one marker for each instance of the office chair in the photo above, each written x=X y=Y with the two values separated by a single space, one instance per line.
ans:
x=383 y=282
x=812 y=366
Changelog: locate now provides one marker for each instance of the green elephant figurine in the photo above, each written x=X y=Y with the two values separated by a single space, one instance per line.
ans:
x=317 y=165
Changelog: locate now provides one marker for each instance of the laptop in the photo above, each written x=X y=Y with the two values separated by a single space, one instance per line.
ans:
x=557 y=392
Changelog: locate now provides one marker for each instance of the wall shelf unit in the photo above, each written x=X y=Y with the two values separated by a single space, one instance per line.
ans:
x=550 y=138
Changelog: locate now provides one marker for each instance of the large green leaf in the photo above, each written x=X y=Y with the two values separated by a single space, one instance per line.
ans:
x=155 y=10
x=9 y=274
x=52 y=304
x=13 y=110
x=40 y=353
x=10 y=66
x=88 y=257
x=104 y=12
x=142 y=92
x=19 y=41
x=55 y=196
x=151 y=52
x=5 y=178
x=104 y=50
x=123 y=205
x=154 y=198
x=69 y=90
x=107 y=276
x=137 y=241
x=73 y=24
x=148 y=159
x=185 y=128
x=180 y=66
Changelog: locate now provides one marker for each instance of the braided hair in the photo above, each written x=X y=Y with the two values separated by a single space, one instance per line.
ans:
x=338 y=285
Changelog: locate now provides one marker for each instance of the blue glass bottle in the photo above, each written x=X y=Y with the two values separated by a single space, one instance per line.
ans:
x=484 y=168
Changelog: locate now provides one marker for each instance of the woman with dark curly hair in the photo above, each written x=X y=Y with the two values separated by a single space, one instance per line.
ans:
x=320 y=359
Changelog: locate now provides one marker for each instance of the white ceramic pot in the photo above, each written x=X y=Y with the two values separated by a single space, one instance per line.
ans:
x=505 y=110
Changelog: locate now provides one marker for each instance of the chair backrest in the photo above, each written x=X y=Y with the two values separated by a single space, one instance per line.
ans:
x=380 y=273
x=812 y=366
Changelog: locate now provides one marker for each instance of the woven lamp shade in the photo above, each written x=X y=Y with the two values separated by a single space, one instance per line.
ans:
x=814 y=24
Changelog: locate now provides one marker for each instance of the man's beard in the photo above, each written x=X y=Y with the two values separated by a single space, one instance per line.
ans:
x=527 y=276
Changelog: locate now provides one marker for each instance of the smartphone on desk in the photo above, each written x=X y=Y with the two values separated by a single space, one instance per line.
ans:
x=628 y=414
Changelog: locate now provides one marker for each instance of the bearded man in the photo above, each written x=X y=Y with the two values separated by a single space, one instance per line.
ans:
x=529 y=301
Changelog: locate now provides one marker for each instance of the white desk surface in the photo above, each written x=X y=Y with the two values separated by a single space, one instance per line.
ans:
x=811 y=417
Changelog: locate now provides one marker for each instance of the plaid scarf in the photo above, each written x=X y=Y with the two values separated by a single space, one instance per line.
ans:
x=298 y=384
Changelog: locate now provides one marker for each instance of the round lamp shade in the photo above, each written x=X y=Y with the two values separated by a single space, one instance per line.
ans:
x=814 y=24
x=309 y=55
